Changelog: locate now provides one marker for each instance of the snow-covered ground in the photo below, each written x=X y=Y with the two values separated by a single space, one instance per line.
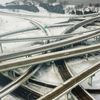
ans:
x=51 y=72
x=10 y=24
x=47 y=17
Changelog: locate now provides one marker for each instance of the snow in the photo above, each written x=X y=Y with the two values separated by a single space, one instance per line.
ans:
x=42 y=10
x=8 y=24
x=51 y=72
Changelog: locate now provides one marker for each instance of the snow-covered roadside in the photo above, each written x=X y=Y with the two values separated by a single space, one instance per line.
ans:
x=8 y=24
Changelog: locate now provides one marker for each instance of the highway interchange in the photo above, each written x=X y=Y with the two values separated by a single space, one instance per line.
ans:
x=61 y=48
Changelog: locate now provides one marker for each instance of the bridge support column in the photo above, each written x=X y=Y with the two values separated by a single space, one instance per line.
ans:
x=1 y=49
x=71 y=45
x=70 y=96
x=90 y=80
x=27 y=82
x=98 y=37
x=86 y=56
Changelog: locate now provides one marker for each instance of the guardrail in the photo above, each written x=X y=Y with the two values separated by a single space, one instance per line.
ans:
x=4 y=66
x=84 y=22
